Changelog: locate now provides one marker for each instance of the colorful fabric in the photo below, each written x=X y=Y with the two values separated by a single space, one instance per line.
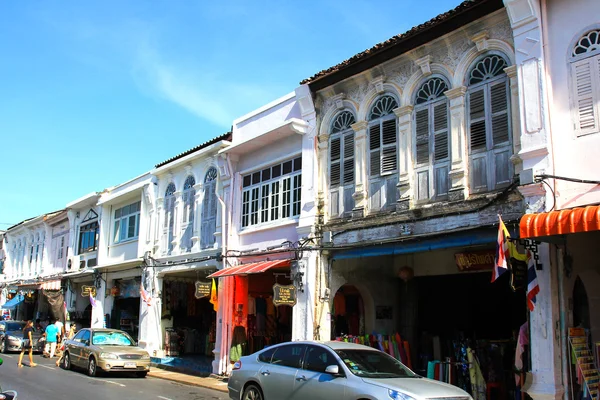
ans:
x=532 y=283
x=214 y=299
x=478 y=385
x=501 y=257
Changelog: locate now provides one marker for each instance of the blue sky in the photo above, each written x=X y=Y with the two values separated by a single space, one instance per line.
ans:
x=94 y=93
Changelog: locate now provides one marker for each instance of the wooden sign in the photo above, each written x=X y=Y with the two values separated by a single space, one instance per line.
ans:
x=284 y=295
x=475 y=260
x=87 y=290
x=202 y=289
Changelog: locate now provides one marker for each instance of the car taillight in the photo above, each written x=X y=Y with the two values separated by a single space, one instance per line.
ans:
x=237 y=365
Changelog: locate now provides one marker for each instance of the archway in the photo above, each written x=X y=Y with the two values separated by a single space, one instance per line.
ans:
x=348 y=312
x=581 y=307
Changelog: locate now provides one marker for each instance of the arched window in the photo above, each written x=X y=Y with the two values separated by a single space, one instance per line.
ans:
x=489 y=124
x=169 y=217
x=585 y=81
x=431 y=147
x=209 y=209
x=341 y=163
x=383 y=153
x=187 y=221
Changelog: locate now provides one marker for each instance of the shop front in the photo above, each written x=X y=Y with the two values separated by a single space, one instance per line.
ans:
x=125 y=311
x=80 y=291
x=261 y=298
x=437 y=311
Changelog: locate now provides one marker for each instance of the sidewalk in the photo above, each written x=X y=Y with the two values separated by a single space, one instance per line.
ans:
x=215 y=383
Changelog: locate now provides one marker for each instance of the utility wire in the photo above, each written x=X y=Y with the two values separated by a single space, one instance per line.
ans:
x=562 y=178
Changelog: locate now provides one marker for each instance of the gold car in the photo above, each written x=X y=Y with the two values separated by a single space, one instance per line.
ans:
x=108 y=350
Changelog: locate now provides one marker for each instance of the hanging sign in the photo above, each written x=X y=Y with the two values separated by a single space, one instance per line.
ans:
x=202 y=289
x=284 y=295
x=475 y=260
x=87 y=290
x=518 y=272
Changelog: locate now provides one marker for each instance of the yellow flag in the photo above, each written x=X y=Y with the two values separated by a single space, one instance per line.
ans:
x=214 y=299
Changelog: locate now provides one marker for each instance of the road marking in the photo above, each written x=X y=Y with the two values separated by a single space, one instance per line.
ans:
x=165 y=398
x=115 y=383
x=45 y=366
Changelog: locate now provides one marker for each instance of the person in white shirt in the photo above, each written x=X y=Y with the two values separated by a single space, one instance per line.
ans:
x=61 y=329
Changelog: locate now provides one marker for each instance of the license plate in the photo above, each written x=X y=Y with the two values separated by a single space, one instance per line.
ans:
x=130 y=365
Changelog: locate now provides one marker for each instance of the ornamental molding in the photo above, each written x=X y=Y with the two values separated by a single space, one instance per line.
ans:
x=378 y=84
x=404 y=110
x=460 y=91
x=481 y=40
x=425 y=64
x=338 y=101
x=359 y=126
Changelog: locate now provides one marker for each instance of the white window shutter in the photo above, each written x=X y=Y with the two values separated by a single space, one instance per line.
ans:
x=422 y=136
x=478 y=140
x=389 y=158
x=374 y=150
x=348 y=158
x=585 y=75
x=440 y=130
x=334 y=162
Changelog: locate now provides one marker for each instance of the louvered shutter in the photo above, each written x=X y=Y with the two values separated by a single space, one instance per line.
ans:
x=499 y=105
x=477 y=120
x=374 y=149
x=334 y=159
x=209 y=215
x=422 y=136
x=348 y=158
x=389 y=159
x=586 y=82
x=440 y=131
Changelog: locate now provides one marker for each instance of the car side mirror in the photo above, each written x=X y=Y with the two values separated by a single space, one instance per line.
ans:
x=333 y=370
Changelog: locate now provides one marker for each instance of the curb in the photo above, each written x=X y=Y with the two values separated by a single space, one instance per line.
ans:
x=211 y=383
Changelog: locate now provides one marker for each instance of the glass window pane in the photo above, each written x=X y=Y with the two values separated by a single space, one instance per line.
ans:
x=298 y=164
x=266 y=174
x=255 y=178
x=287 y=167
x=123 y=229
x=276 y=171
x=247 y=180
x=117 y=226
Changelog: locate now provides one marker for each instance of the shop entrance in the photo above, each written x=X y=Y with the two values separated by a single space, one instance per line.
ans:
x=457 y=314
x=125 y=313
x=348 y=313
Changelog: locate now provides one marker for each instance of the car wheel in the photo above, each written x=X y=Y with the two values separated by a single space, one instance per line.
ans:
x=141 y=374
x=92 y=367
x=252 y=392
x=3 y=347
x=67 y=361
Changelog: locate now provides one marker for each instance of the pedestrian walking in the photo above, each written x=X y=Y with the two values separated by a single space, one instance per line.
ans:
x=69 y=336
x=51 y=337
x=61 y=329
x=27 y=344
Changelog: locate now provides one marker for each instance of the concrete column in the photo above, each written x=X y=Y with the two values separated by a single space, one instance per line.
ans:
x=323 y=204
x=325 y=298
x=360 y=162
x=511 y=72
x=458 y=149
x=405 y=130
x=199 y=188
x=160 y=221
x=177 y=223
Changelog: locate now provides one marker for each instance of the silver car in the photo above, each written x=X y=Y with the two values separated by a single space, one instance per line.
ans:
x=11 y=337
x=332 y=371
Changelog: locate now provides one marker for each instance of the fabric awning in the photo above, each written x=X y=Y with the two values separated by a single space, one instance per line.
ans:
x=251 y=268
x=12 y=303
x=574 y=220
x=51 y=285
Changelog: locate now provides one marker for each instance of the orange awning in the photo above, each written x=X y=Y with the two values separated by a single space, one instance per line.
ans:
x=584 y=219
x=252 y=268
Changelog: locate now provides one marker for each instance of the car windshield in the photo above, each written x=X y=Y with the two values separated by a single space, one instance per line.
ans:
x=374 y=364
x=14 y=326
x=112 y=339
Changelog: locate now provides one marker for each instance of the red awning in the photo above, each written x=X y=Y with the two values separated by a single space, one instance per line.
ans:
x=561 y=222
x=51 y=285
x=252 y=268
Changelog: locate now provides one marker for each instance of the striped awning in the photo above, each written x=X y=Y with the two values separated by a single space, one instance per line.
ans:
x=574 y=220
x=51 y=285
x=251 y=268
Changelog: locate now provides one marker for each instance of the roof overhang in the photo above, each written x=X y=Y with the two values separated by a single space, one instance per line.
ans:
x=563 y=222
x=284 y=130
x=251 y=268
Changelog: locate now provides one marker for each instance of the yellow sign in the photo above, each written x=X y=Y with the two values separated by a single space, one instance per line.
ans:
x=284 y=295
x=87 y=290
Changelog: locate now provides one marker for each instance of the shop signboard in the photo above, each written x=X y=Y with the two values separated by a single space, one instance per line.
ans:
x=284 y=295
x=518 y=270
x=202 y=289
x=87 y=290
x=475 y=260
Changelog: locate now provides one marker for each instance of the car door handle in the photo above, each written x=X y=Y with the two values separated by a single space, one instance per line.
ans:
x=265 y=373
x=301 y=378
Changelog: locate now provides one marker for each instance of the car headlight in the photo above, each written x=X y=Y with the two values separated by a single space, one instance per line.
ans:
x=146 y=356
x=108 y=356
x=396 y=395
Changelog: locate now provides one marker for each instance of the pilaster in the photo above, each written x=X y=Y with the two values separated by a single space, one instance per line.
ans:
x=405 y=145
x=360 y=163
x=323 y=178
x=198 y=197
x=458 y=148
x=177 y=222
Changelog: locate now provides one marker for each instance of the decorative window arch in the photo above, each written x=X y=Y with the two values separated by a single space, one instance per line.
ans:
x=383 y=153
x=187 y=220
x=341 y=163
x=489 y=124
x=209 y=209
x=431 y=144
x=169 y=224
x=585 y=82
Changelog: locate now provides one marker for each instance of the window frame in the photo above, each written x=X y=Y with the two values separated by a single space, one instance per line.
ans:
x=83 y=229
x=261 y=205
x=209 y=209
x=309 y=347
x=303 y=348
x=188 y=201
x=121 y=223
x=341 y=193
x=169 y=218
x=492 y=149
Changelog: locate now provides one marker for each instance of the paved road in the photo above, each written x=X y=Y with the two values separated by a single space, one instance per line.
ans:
x=48 y=382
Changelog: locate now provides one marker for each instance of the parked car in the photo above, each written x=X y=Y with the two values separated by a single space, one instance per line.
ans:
x=333 y=371
x=108 y=350
x=11 y=337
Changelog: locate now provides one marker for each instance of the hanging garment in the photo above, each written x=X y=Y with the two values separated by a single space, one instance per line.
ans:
x=478 y=385
x=407 y=351
x=251 y=306
x=339 y=304
x=522 y=341
x=270 y=306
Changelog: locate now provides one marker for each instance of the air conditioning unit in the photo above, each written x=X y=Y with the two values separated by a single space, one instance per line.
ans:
x=74 y=263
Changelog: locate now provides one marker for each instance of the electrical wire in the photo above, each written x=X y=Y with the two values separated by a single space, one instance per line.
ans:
x=562 y=178
x=553 y=195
